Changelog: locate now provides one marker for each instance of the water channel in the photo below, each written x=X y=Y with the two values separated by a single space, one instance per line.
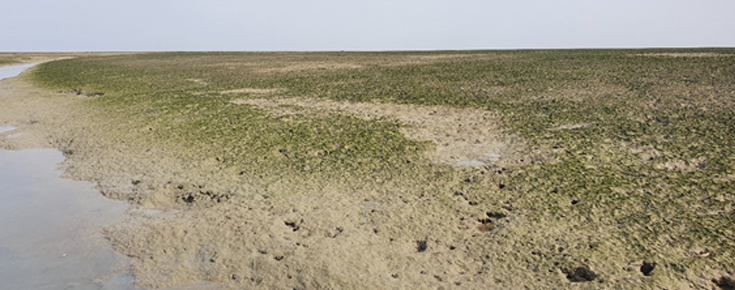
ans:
x=50 y=227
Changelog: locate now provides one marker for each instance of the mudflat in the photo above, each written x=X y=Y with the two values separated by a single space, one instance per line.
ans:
x=401 y=170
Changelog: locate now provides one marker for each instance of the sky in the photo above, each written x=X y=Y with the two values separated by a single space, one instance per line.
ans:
x=375 y=25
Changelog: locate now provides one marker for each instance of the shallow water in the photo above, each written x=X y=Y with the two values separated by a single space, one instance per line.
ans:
x=50 y=235
x=13 y=70
x=51 y=228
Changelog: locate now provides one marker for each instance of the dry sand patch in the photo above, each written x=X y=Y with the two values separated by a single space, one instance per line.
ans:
x=304 y=66
x=461 y=136
x=684 y=54
x=250 y=91
x=363 y=62
x=570 y=126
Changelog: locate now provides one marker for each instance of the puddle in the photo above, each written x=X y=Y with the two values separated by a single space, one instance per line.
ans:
x=51 y=235
x=13 y=70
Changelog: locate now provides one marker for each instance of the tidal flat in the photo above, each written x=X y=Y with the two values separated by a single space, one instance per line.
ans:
x=543 y=169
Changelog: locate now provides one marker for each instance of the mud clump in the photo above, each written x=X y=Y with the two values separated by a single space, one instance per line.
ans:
x=647 y=268
x=191 y=198
x=725 y=283
x=80 y=92
x=421 y=246
x=488 y=224
x=496 y=215
x=580 y=274
x=295 y=226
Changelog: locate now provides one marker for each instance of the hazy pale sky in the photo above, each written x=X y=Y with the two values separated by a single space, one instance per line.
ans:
x=291 y=25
